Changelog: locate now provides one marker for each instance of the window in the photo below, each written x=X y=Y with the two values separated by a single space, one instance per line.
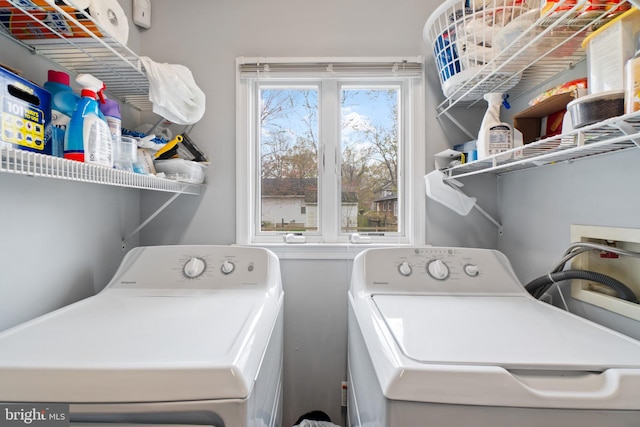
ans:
x=323 y=145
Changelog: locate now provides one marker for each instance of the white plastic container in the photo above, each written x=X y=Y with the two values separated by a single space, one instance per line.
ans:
x=608 y=49
x=182 y=170
x=125 y=153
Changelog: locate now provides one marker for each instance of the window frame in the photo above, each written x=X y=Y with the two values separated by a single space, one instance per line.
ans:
x=410 y=171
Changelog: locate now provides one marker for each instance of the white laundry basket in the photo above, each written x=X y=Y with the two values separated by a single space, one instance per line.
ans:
x=461 y=35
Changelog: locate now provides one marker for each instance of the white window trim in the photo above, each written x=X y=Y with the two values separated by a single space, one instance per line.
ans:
x=411 y=175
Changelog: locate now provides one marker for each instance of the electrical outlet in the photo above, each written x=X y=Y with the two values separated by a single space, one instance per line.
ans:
x=624 y=268
x=142 y=13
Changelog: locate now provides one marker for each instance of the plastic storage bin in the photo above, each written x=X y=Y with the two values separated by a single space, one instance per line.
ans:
x=608 y=49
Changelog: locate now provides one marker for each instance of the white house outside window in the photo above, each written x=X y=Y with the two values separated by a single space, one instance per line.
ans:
x=322 y=144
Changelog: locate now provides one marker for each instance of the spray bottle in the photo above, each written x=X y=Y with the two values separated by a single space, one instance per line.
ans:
x=88 y=138
x=495 y=136
x=63 y=103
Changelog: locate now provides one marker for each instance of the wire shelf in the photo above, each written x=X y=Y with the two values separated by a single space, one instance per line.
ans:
x=615 y=134
x=78 y=46
x=28 y=163
x=509 y=46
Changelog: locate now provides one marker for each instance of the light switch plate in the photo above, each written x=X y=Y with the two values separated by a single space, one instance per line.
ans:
x=142 y=13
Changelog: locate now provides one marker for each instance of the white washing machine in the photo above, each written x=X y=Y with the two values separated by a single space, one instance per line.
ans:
x=182 y=335
x=449 y=337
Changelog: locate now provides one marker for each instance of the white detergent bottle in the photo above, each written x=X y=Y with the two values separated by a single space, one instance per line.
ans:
x=88 y=138
x=495 y=136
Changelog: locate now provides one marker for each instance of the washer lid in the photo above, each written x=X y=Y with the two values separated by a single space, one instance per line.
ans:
x=509 y=332
x=124 y=347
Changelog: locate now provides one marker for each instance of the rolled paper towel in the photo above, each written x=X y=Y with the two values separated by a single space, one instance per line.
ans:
x=110 y=17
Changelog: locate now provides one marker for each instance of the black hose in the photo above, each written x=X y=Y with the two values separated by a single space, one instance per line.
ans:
x=537 y=287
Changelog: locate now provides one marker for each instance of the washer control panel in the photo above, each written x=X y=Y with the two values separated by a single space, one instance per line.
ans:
x=436 y=269
x=194 y=267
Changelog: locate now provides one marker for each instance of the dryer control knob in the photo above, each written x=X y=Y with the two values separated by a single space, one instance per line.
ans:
x=194 y=268
x=404 y=269
x=438 y=269
x=227 y=267
x=472 y=270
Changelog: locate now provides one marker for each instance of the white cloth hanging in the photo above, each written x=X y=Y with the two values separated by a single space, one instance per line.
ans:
x=173 y=92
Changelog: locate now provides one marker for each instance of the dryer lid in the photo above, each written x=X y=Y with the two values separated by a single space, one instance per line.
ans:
x=512 y=332
x=123 y=347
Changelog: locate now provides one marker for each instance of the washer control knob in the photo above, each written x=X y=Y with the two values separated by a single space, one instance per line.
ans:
x=227 y=267
x=472 y=270
x=438 y=269
x=194 y=267
x=404 y=269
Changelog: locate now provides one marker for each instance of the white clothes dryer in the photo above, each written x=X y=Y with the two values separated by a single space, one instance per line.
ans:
x=182 y=335
x=450 y=337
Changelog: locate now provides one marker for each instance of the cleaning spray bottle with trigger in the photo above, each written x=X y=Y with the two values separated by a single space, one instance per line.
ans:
x=88 y=138
x=495 y=136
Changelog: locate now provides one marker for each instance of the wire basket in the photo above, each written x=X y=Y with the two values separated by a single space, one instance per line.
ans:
x=463 y=35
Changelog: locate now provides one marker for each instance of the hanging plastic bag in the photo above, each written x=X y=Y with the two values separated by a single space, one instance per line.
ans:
x=173 y=92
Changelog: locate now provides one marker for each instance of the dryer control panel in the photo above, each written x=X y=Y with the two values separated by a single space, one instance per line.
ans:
x=427 y=269
x=196 y=267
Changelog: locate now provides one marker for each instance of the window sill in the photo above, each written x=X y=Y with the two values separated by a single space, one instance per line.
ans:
x=320 y=251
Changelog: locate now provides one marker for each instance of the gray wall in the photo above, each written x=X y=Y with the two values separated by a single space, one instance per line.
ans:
x=539 y=206
x=208 y=42
x=71 y=232
x=207 y=38
x=60 y=241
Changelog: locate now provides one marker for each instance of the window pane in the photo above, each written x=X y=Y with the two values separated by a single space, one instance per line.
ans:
x=289 y=159
x=369 y=141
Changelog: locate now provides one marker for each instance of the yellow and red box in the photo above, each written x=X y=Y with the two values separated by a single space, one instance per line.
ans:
x=46 y=21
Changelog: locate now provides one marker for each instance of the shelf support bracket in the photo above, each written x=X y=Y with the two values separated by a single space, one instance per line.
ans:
x=490 y=218
x=628 y=130
x=449 y=194
x=458 y=124
x=148 y=220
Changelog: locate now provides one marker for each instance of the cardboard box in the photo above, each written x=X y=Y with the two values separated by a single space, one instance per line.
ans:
x=22 y=26
x=25 y=112
x=531 y=120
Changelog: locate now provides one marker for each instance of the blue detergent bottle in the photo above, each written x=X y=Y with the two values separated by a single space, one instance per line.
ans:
x=88 y=138
x=63 y=103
